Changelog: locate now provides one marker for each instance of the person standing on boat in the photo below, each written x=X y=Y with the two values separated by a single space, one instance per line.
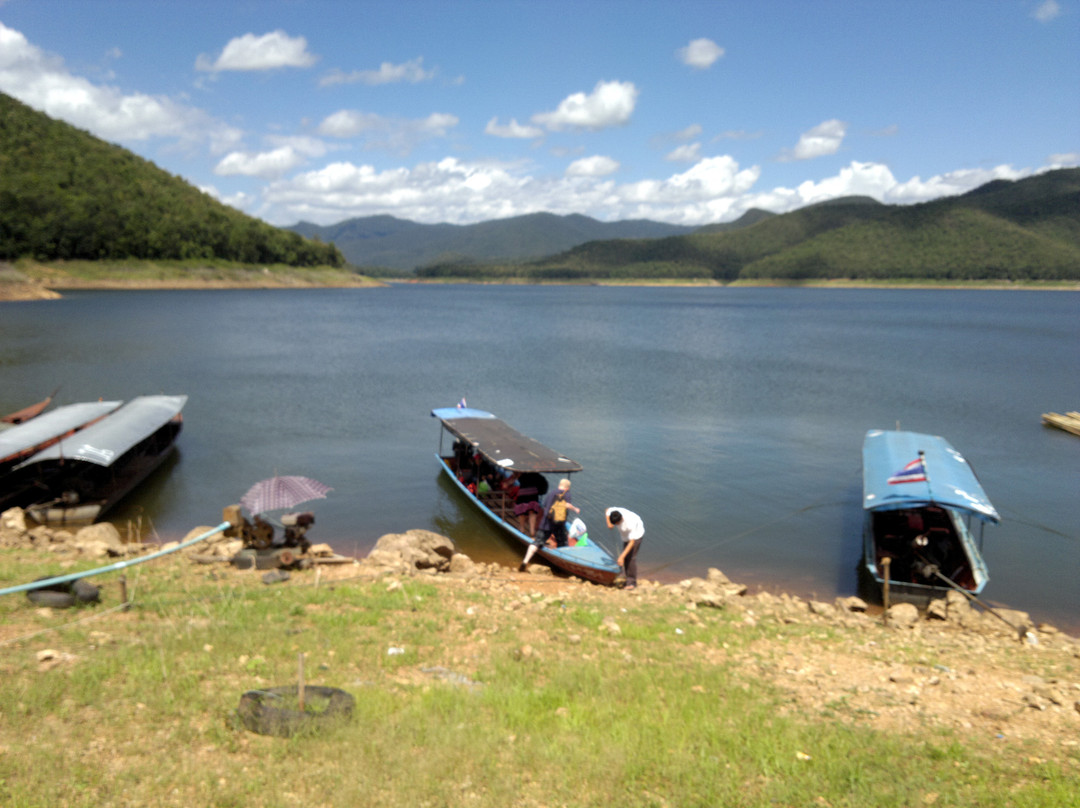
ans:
x=632 y=531
x=556 y=507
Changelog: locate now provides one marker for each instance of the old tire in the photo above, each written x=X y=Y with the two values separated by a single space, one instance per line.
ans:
x=325 y=707
x=64 y=595
x=52 y=598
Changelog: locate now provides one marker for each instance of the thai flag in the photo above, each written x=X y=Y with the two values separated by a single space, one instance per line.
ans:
x=913 y=472
x=462 y=405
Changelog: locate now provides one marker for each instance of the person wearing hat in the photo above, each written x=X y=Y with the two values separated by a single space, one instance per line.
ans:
x=553 y=528
x=632 y=531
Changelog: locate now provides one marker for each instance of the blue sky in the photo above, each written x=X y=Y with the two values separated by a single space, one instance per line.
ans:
x=680 y=111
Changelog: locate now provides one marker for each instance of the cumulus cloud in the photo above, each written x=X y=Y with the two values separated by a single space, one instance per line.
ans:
x=597 y=166
x=687 y=153
x=512 y=130
x=700 y=54
x=266 y=52
x=452 y=190
x=399 y=135
x=1046 y=11
x=611 y=103
x=42 y=81
x=1064 y=160
x=269 y=164
x=823 y=139
x=411 y=72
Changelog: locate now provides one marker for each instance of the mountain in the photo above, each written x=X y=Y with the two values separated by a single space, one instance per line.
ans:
x=65 y=194
x=385 y=241
x=1027 y=229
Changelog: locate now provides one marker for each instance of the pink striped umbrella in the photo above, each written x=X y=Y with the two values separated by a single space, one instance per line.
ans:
x=282 y=492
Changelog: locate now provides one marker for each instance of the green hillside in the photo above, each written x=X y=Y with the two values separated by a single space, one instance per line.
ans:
x=1015 y=231
x=66 y=195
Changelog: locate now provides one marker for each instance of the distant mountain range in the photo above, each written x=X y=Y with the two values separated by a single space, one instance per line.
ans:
x=399 y=244
x=1027 y=230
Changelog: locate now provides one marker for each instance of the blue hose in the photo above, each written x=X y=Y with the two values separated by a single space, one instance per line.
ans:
x=119 y=565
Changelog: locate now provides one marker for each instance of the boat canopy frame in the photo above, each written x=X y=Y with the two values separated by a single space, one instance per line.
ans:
x=52 y=425
x=501 y=444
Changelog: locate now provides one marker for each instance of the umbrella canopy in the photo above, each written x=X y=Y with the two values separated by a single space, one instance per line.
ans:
x=282 y=492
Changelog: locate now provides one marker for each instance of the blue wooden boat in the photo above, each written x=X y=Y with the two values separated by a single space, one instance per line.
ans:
x=476 y=432
x=921 y=500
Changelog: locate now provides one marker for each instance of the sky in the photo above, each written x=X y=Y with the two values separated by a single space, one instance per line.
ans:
x=682 y=111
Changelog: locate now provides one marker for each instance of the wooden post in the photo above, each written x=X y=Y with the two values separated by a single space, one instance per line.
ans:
x=300 y=687
x=886 y=563
x=123 y=592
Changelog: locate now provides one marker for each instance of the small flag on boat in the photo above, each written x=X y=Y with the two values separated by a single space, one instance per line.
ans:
x=913 y=472
x=461 y=404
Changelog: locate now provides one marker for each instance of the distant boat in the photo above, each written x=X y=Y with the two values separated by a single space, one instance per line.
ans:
x=78 y=479
x=26 y=439
x=920 y=500
x=26 y=413
x=503 y=447
x=1070 y=421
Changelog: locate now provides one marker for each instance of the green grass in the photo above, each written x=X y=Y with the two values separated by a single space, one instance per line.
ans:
x=543 y=706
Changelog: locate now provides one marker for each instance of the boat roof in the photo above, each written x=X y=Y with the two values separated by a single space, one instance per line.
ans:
x=51 y=425
x=501 y=443
x=108 y=439
x=948 y=481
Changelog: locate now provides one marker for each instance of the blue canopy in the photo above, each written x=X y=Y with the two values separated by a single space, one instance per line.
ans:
x=912 y=470
x=52 y=425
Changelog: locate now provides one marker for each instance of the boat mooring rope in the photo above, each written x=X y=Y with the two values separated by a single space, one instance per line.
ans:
x=119 y=565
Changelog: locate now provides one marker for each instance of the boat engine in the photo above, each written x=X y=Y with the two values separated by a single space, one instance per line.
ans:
x=296 y=526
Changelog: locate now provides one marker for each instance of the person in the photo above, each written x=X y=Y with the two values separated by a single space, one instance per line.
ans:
x=556 y=507
x=632 y=531
x=527 y=506
x=553 y=527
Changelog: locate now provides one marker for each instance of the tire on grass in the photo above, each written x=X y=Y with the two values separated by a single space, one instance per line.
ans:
x=274 y=711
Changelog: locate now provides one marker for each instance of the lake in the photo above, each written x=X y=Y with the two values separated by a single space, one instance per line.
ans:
x=730 y=419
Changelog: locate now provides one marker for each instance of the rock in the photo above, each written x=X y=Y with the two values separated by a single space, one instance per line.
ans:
x=99 y=540
x=938 y=609
x=609 y=626
x=822 y=609
x=902 y=615
x=851 y=604
x=412 y=551
x=461 y=564
x=14 y=520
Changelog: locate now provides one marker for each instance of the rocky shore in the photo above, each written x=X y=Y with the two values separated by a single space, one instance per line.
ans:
x=953 y=665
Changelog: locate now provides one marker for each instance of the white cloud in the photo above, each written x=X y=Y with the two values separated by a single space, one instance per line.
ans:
x=823 y=139
x=949 y=184
x=1064 y=160
x=596 y=166
x=512 y=130
x=399 y=135
x=700 y=53
x=268 y=165
x=689 y=133
x=411 y=72
x=687 y=153
x=42 y=81
x=1046 y=11
x=611 y=103
x=266 y=52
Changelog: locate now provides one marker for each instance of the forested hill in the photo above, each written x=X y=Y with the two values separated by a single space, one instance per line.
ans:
x=65 y=194
x=1023 y=230
x=387 y=241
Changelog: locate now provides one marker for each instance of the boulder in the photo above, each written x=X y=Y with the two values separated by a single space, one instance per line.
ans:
x=413 y=551
x=903 y=615
x=103 y=535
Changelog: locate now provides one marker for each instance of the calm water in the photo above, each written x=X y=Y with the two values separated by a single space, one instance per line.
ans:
x=730 y=419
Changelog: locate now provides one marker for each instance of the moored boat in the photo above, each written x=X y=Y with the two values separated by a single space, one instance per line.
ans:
x=501 y=448
x=79 y=478
x=921 y=500
x=32 y=436
x=26 y=413
x=1069 y=422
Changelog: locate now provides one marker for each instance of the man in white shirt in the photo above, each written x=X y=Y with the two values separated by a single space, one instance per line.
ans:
x=632 y=531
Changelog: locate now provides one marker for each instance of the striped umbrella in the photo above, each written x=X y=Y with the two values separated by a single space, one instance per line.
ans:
x=282 y=492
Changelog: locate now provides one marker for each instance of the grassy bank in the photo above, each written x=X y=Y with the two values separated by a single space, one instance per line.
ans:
x=488 y=691
x=60 y=276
